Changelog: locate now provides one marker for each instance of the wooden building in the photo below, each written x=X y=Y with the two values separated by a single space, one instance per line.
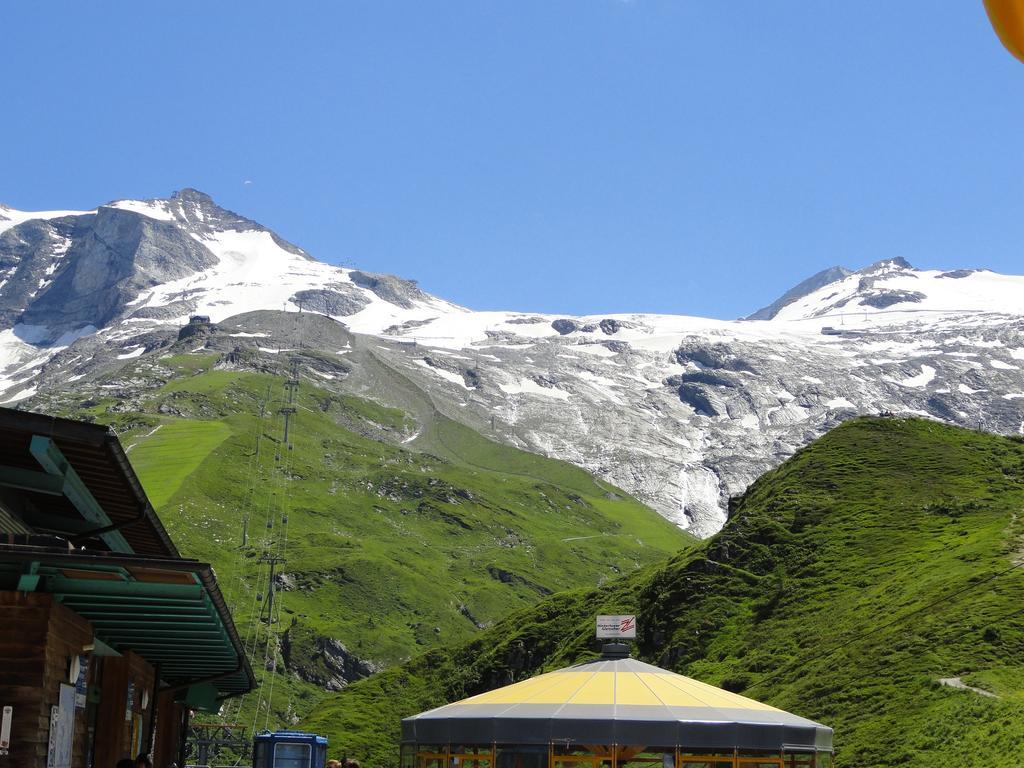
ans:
x=108 y=637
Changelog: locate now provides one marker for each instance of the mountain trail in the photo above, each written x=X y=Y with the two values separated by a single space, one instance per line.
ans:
x=956 y=682
x=144 y=437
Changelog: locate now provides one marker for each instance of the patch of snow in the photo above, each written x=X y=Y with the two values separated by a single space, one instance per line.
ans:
x=594 y=378
x=598 y=350
x=921 y=380
x=750 y=421
x=454 y=378
x=152 y=210
x=839 y=402
x=20 y=395
x=12 y=218
x=531 y=387
x=699 y=500
x=979 y=293
x=70 y=337
x=964 y=389
x=1003 y=366
x=135 y=352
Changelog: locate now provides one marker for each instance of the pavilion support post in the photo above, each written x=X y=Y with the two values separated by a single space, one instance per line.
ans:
x=183 y=744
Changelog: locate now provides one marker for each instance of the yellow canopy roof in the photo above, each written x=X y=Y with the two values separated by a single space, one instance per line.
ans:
x=612 y=683
x=615 y=701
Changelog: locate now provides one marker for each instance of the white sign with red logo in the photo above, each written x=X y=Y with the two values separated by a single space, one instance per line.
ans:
x=612 y=627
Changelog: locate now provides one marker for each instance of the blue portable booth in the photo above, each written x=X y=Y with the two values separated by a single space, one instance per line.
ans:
x=289 y=749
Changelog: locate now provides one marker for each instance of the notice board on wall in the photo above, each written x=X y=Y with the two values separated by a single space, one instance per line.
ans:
x=62 y=729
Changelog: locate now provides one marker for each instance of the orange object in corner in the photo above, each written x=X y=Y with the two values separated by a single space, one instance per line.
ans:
x=1007 y=17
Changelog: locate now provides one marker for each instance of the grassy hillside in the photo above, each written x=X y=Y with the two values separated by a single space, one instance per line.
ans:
x=847 y=583
x=388 y=551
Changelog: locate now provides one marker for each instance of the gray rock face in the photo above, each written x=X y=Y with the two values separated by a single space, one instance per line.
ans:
x=565 y=326
x=328 y=664
x=196 y=212
x=87 y=269
x=30 y=255
x=531 y=320
x=339 y=300
x=470 y=376
x=610 y=326
x=401 y=293
x=883 y=299
x=714 y=356
x=170 y=311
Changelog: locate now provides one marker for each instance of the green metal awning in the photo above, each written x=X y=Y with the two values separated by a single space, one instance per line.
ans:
x=169 y=611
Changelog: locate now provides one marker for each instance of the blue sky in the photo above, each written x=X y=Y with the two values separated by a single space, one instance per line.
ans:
x=578 y=156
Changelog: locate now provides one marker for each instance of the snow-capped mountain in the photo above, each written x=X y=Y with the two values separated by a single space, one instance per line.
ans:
x=681 y=411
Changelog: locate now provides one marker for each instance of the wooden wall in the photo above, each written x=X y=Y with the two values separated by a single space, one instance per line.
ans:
x=38 y=637
x=169 y=730
x=113 y=720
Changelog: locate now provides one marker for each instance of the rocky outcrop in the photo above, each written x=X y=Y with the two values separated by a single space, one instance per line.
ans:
x=714 y=355
x=610 y=326
x=172 y=311
x=339 y=300
x=323 y=661
x=198 y=327
x=397 y=291
x=883 y=299
x=110 y=258
x=565 y=326
x=514 y=579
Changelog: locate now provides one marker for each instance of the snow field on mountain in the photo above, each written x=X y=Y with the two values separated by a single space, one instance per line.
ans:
x=682 y=411
x=159 y=210
x=9 y=217
x=977 y=292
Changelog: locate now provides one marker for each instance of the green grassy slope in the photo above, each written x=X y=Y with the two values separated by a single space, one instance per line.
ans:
x=388 y=551
x=166 y=461
x=846 y=584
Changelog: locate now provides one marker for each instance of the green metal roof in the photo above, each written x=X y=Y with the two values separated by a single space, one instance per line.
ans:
x=79 y=483
x=169 y=611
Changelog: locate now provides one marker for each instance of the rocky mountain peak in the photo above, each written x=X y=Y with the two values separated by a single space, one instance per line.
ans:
x=798 y=291
x=895 y=264
x=190 y=195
